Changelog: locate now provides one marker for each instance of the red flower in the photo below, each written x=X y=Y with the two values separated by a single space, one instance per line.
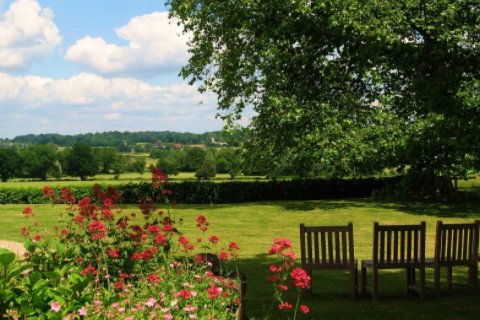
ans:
x=233 y=246
x=279 y=245
x=275 y=269
x=273 y=278
x=214 y=292
x=113 y=253
x=213 y=239
x=183 y=240
x=153 y=278
x=300 y=278
x=285 y=306
x=304 y=309
x=119 y=285
x=90 y=270
x=223 y=256
x=185 y=294
x=282 y=287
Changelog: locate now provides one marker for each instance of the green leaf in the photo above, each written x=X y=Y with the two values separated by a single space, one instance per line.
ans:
x=7 y=258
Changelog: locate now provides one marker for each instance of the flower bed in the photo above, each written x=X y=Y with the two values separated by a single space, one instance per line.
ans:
x=101 y=264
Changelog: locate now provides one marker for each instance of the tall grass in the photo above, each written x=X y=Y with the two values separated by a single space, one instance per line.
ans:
x=254 y=226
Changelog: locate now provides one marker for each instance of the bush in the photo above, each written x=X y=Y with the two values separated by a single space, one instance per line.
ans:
x=193 y=192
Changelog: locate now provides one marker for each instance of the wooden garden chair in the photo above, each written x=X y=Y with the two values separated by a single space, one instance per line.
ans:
x=328 y=248
x=397 y=247
x=456 y=245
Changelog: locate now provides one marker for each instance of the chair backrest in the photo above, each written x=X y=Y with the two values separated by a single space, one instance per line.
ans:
x=327 y=247
x=399 y=245
x=457 y=244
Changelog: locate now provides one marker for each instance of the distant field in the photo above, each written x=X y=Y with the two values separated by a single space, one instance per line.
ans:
x=122 y=178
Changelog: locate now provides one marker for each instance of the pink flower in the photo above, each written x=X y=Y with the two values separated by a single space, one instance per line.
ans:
x=82 y=311
x=168 y=316
x=55 y=306
x=151 y=302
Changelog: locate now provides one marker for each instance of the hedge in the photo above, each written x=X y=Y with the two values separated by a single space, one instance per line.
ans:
x=193 y=192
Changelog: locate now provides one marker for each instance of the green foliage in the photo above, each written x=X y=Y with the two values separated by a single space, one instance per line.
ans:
x=139 y=165
x=108 y=159
x=189 y=192
x=10 y=164
x=357 y=85
x=38 y=160
x=194 y=158
x=81 y=161
x=117 y=138
x=168 y=166
x=207 y=171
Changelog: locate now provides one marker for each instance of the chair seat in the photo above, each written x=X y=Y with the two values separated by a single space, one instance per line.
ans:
x=390 y=265
x=327 y=264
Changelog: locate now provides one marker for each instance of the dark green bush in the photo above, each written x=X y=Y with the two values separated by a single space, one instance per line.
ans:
x=193 y=192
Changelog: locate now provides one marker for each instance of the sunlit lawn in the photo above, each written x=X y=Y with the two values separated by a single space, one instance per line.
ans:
x=254 y=226
x=111 y=179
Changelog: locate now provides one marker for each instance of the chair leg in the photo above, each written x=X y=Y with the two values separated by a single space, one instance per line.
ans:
x=375 y=284
x=422 y=284
x=364 y=280
x=449 y=278
x=353 y=284
x=473 y=274
x=410 y=279
x=436 y=278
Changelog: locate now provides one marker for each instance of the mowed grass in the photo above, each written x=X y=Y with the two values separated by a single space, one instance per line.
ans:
x=254 y=226
x=112 y=179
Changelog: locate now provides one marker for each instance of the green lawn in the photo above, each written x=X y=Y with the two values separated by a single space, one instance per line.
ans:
x=111 y=179
x=254 y=226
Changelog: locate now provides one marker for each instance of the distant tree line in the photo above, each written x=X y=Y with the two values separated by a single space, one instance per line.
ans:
x=123 y=141
x=80 y=160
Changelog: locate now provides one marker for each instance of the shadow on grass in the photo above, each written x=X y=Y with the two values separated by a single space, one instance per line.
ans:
x=461 y=206
x=331 y=297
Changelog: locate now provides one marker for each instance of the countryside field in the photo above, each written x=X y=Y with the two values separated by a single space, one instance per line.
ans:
x=254 y=226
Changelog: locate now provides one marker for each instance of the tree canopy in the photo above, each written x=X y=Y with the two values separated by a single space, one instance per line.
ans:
x=358 y=85
x=81 y=162
x=38 y=160
x=10 y=164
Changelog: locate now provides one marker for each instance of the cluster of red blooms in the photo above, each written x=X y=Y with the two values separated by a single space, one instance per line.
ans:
x=49 y=193
x=187 y=247
x=90 y=270
x=97 y=229
x=111 y=193
x=146 y=255
x=184 y=294
x=67 y=196
x=158 y=178
x=113 y=253
x=28 y=212
x=233 y=247
x=299 y=277
x=202 y=223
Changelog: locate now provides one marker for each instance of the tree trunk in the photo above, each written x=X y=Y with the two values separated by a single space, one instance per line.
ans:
x=439 y=185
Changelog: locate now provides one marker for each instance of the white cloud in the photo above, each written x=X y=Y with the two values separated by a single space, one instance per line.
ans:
x=156 y=46
x=27 y=34
x=90 y=103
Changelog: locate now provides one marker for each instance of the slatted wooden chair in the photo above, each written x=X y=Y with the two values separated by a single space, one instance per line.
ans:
x=397 y=247
x=456 y=245
x=328 y=248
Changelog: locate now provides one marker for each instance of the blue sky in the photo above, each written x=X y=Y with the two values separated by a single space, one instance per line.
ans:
x=78 y=66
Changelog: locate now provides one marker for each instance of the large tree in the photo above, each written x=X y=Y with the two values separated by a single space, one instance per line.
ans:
x=357 y=85
x=81 y=162
x=10 y=164
x=38 y=160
